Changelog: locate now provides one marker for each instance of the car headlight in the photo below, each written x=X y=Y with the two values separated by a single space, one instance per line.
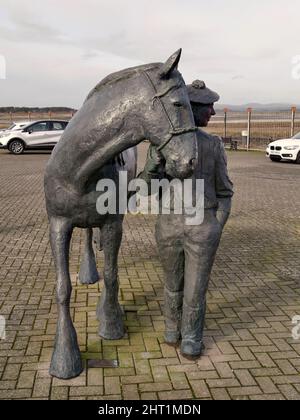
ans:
x=291 y=147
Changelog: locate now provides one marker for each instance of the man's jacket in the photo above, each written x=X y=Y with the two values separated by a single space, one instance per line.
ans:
x=211 y=166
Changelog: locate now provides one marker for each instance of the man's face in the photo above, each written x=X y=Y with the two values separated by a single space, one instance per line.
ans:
x=202 y=113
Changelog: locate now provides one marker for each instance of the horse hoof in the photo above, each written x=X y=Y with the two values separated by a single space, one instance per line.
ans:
x=88 y=280
x=117 y=311
x=66 y=365
x=66 y=360
x=88 y=274
x=111 y=330
x=65 y=373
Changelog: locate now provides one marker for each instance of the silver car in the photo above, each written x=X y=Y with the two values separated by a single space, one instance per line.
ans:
x=15 y=126
x=35 y=135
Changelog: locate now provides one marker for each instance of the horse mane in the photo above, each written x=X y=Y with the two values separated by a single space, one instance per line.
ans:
x=122 y=75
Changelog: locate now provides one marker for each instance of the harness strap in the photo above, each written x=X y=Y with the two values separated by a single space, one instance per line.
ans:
x=174 y=131
x=158 y=96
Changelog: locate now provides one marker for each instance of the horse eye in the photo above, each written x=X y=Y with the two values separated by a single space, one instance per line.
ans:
x=178 y=104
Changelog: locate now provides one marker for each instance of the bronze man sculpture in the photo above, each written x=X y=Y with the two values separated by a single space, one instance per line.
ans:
x=122 y=110
x=187 y=252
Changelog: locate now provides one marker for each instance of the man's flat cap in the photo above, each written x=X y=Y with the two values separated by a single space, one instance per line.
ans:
x=199 y=93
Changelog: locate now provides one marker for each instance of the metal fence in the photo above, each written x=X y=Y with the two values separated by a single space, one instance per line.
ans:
x=251 y=129
x=254 y=129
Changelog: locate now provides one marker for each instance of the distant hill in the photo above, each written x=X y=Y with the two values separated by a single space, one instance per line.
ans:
x=258 y=107
x=54 y=109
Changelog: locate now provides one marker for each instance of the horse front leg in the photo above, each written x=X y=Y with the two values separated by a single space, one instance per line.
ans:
x=66 y=360
x=88 y=273
x=109 y=311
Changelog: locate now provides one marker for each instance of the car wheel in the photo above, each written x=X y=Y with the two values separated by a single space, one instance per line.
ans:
x=298 y=158
x=16 y=147
x=275 y=159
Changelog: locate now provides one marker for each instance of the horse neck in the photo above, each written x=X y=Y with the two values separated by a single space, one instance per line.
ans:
x=127 y=129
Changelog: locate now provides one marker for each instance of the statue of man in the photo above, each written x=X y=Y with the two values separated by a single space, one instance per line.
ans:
x=186 y=251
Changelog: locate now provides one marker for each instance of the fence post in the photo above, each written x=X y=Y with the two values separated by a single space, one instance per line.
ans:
x=225 y=122
x=294 y=109
x=249 y=110
x=49 y=115
x=11 y=117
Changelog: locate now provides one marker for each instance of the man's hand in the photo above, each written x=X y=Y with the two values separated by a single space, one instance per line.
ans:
x=222 y=217
x=223 y=211
x=154 y=167
x=155 y=161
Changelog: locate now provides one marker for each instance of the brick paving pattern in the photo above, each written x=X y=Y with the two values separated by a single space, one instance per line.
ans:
x=253 y=295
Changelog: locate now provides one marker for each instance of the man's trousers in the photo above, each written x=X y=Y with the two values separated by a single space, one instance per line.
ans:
x=187 y=254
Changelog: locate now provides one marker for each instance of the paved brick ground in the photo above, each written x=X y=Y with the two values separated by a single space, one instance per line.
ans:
x=253 y=295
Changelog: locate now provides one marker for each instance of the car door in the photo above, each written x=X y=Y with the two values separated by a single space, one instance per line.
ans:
x=37 y=134
x=56 y=129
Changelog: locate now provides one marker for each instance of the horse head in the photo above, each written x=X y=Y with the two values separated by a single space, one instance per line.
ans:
x=169 y=118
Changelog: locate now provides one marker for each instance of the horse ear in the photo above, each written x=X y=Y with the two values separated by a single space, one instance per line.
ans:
x=170 y=64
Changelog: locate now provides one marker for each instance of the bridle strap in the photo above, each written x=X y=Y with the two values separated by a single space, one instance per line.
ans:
x=158 y=97
x=174 y=131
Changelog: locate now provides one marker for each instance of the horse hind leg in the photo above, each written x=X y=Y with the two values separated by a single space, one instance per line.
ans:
x=66 y=360
x=109 y=311
x=88 y=273
x=97 y=238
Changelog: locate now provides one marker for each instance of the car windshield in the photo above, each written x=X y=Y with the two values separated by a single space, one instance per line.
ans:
x=11 y=126
x=297 y=136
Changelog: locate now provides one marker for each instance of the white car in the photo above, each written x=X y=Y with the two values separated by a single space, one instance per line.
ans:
x=15 y=126
x=285 y=149
x=35 y=135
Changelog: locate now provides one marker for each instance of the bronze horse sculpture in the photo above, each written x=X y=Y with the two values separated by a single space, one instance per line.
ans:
x=88 y=274
x=144 y=102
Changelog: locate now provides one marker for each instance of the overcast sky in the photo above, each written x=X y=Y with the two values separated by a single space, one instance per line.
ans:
x=57 y=50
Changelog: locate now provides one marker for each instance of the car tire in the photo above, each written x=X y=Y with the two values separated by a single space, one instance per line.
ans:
x=298 y=159
x=16 y=147
x=275 y=159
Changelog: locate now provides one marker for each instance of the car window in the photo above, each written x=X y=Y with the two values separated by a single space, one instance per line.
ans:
x=297 y=136
x=41 y=126
x=58 y=125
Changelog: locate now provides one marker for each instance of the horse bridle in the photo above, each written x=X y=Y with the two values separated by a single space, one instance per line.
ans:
x=174 y=131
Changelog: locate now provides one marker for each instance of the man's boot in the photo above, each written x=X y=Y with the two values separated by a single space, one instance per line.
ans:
x=192 y=331
x=173 y=311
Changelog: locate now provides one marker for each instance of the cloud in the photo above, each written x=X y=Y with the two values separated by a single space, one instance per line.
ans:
x=57 y=50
